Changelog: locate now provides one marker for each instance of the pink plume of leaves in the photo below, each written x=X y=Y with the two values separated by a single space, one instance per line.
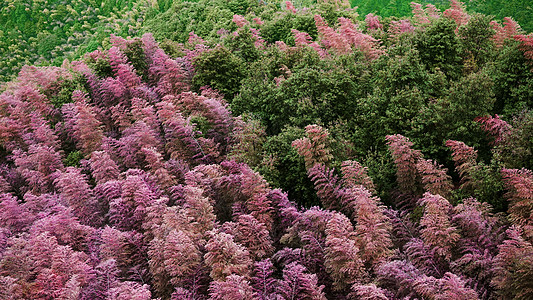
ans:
x=13 y=216
x=103 y=167
x=372 y=22
x=38 y=131
x=128 y=211
x=465 y=161
x=263 y=282
x=309 y=233
x=327 y=186
x=225 y=257
x=39 y=261
x=373 y=227
x=457 y=13
x=240 y=21
x=424 y=16
x=397 y=28
x=354 y=174
x=368 y=292
x=342 y=256
x=364 y=42
x=434 y=177
x=174 y=259
x=432 y=11
x=526 y=45
x=406 y=160
x=495 y=126
x=37 y=166
x=314 y=148
x=255 y=190
x=509 y=30
x=419 y=14
x=155 y=162
x=252 y=234
x=290 y=7
x=258 y=21
x=513 y=270
x=214 y=109
x=130 y=290
x=303 y=39
x=234 y=287
x=165 y=73
x=180 y=136
x=519 y=185
x=61 y=223
x=437 y=230
x=330 y=38
x=87 y=129
x=124 y=71
x=296 y=284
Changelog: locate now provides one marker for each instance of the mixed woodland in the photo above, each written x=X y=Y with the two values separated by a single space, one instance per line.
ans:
x=255 y=150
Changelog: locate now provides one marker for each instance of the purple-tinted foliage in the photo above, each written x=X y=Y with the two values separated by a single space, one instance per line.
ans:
x=263 y=283
x=157 y=208
x=296 y=284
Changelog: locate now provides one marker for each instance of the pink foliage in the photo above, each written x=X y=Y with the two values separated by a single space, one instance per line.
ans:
x=368 y=292
x=364 y=42
x=514 y=266
x=343 y=260
x=372 y=227
x=419 y=14
x=509 y=30
x=239 y=20
x=465 y=161
x=436 y=226
x=258 y=21
x=330 y=38
x=434 y=178
x=290 y=7
x=399 y=27
x=225 y=257
x=235 y=287
x=314 y=147
x=406 y=160
x=372 y=22
x=495 y=126
x=526 y=45
x=457 y=13
x=519 y=184
x=354 y=174
x=296 y=284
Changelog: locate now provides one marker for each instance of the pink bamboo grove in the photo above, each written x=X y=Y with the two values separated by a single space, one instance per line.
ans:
x=156 y=207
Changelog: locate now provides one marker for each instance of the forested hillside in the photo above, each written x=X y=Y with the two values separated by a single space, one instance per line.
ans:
x=49 y=31
x=46 y=32
x=249 y=150
x=520 y=10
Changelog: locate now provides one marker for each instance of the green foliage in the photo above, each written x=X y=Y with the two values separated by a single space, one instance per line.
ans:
x=438 y=47
x=48 y=32
x=513 y=80
x=300 y=89
x=476 y=40
x=242 y=45
x=73 y=159
x=136 y=56
x=285 y=169
x=62 y=94
x=220 y=69
x=520 y=10
x=204 y=18
x=452 y=117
